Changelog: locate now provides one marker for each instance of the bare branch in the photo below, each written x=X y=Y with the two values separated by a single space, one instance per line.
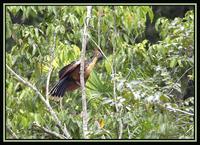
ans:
x=114 y=66
x=36 y=125
x=120 y=127
x=99 y=49
x=114 y=80
x=178 y=110
x=11 y=132
x=179 y=79
x=99 y=25
x=51 y=68
x=43 y=100
x=82 y=81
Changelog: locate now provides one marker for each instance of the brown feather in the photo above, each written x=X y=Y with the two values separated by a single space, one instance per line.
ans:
x=69 y=76
x=69 y=68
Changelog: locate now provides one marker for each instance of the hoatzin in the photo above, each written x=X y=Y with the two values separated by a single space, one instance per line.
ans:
x=69 y=76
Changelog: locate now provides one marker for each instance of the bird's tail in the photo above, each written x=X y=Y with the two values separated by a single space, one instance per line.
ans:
x=58 y=90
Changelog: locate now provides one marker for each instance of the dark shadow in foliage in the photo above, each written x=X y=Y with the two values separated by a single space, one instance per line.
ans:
x=169 y=12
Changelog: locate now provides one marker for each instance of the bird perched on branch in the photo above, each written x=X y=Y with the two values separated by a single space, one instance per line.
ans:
x=69 y=76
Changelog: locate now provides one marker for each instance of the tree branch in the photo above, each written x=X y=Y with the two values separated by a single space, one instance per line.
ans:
x=99 y=49
x=179 y=79
x=64 y=130
x=60 y=136
x=99 y=25
x=114 y=66
x=82 y=81
x=11 y=132
x=114 y=80
x=178 y=110
x=51 y=68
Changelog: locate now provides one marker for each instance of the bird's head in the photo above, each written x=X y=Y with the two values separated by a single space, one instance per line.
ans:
x=98 y=54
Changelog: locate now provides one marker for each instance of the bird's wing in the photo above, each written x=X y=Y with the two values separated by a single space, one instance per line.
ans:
x=68 y=68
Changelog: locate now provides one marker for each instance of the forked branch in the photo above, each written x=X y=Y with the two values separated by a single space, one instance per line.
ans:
x=46 y=103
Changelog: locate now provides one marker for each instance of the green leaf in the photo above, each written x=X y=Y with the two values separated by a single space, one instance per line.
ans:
x=36 y=32
x=34 y=49
x=62 y=29
x=108 y=66
x=164 y=98
x=151 y=15
x=49 y=30
x=173 y=63
x=180 y=63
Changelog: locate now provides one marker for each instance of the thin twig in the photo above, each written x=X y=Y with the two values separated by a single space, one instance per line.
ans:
x=58 y=122
x=51 y=68
x=189 y=130
x=120 y=126
x=82 y=81
x=179 y=79
x=50 y=132
x=174 y=109
x=99 y=49
x=11 y=132
x=99 y=26
x=114 y=80
x=114 y=65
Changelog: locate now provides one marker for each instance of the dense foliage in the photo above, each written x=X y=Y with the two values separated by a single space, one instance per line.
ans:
x=153 y=81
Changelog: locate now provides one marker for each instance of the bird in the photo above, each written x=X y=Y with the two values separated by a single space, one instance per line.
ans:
x=69 y=76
